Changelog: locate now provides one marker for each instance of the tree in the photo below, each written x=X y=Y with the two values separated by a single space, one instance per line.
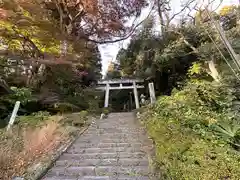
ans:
x=228 y=16
x=165 y=14
x=31 y=53
x=43 y=30
x=203 y=21
x=95 y=21
x=69 y=20
x=166 y=58
x=113 y=71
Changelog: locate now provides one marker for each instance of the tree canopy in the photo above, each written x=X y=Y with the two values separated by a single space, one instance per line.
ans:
x=154 y=56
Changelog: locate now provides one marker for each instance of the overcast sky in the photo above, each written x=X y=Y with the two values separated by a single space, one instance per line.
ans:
x=109 y=51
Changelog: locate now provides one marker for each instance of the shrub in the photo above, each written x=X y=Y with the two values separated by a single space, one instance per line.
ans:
x=83 y=114
x=181 y=125
x=229 y=132
x=65 y=107
x=83 y=117
x=24 y=95
x=7 y=102
x=106 y=111
x=34 y=119
x=78 y=120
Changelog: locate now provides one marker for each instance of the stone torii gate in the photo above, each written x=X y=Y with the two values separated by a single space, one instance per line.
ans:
x=124 y=84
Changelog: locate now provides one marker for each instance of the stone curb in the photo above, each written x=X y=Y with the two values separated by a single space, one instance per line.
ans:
x=40 y=172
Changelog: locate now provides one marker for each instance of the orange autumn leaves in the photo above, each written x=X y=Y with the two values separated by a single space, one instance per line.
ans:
x=101 y=19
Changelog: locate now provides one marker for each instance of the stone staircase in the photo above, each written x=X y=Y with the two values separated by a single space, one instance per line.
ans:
x=116 y=148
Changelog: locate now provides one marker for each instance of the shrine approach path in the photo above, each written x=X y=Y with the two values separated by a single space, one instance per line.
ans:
x=115 y=148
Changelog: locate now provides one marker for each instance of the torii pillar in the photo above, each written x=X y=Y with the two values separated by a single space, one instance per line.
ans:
x=107 y=95
x=136 y=95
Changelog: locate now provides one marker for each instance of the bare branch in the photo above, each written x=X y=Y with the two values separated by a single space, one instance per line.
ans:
x=182 y=10
x=126 y=36
x=27 y=39
x=220 y=3
x=163 y=12
x=60 y=14
x=64 y=2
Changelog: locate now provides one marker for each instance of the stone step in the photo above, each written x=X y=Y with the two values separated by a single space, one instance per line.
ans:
x=72 y=171
x=109 y=140
x=103 y=162
x=107 y=132
x=112 y=136
x=104 y=150
x=118 y=170
x=68 y=156
x=114 y=125
x=133 y=162
x=96 y=178
x=79 y=171
x=60 y=178
x=87 y=162
x=106 y=145
x=81 y=178
x=124 y=177
x=117 y=127
x=101 y=133
x=104 y=137
x=139 y=155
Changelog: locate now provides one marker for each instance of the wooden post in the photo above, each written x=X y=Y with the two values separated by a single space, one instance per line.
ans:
x=152 y=93
x=130 y=102
x=14 y=114
x=136 y=95
x=106 y=96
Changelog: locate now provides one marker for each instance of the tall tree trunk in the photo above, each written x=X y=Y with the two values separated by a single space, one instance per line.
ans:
x=213 y=71
x=160 y=5
x=63 y=48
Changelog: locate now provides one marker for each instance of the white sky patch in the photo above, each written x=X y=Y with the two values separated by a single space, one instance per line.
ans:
x=109 y=51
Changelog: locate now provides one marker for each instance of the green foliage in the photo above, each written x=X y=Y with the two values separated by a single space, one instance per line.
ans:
x=24 y=95
x=166 y=59
x=229 y=16
x=33 y=119
x=77 y=100
x=7 y=102
x=195 y=69
x=191 y=140
x=77 y=119
x=229 y=131
x=83 y=114
x=106 y=111
x=83 y=117
x=30 y=30
x=73 y=91
x=93 y=100
x=65 y=107
x=199 y=101
x=181 y=154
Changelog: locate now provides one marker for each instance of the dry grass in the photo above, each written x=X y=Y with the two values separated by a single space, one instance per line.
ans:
x=19 y=150
x=40 y=140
